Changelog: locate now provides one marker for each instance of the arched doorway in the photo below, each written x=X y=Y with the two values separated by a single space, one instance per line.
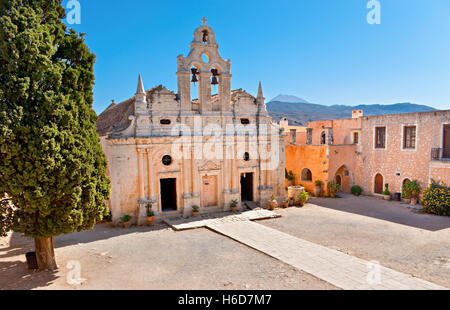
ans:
x=339 y=180
x=344 y=177
x=323 y=138
x=378 y=184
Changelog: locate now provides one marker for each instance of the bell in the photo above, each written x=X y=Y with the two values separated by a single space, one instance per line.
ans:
x=194 y=78
x=214 y=81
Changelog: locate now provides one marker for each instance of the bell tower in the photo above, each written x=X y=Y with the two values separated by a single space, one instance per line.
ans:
x=204 y=66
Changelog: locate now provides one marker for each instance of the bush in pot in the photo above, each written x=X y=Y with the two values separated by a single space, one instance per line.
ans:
x=318 y=188
x=126 y=221
x=333 y=189
x=150 y=214
x=234 y=205
x=108 y=220
x=273 y=202
x=356 y=190
x=290 y=177
x=303 y=198
x=195 y=210
x=386 y=193
x=414 y=191
x=286 y=203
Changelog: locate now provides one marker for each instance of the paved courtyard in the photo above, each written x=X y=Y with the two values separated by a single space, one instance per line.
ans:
x=289 y=252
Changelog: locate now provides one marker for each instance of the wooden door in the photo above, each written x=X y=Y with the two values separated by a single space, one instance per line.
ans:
x=209 y=192
x=339 y=180
x=378 y=184
x=446 y=144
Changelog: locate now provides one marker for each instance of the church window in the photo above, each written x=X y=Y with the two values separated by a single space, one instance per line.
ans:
x=165 y=122
x=167 y=160
x=245 y=121
x=247 y=156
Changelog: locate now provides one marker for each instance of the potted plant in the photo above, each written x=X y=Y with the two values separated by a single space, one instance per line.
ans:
x=356 y=190
x=291 y=201
x=333 y=189
x=108 y=220
x=195 y=210
x=414 y=191
x=303 y=198
x=150 y=215
x=406 y=193
x=273 y=202
x=126 y=221
x=386 y=193
x=286 y=203
x=234 y=205
x=318 y=188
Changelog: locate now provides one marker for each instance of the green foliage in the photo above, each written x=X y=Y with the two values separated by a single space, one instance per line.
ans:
x=290 y=176
x=386 y=190
x=234 y=203
x=126 y=218
x=333 y=188
x=52 y=167
x=6 y=216
x=273 y=198
x=356 y=190
x=436 y=199
x=108 y=218
x=319 y=183
x=411 y=189
x=195 y=208
x=303 y=197
x=149 y=210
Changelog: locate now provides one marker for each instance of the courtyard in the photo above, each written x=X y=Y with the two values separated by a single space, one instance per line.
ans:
x=158 y=257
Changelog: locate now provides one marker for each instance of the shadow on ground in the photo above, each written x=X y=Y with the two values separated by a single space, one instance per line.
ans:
x=391 y=211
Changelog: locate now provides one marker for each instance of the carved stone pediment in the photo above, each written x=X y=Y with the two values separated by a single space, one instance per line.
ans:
x=209 y=165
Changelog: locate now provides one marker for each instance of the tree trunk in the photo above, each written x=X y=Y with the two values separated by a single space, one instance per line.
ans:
x=45 y=253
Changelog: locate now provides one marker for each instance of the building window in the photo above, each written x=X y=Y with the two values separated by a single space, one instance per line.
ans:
x=306 y=175
x=309 y=133
x=356 y=138
x=409 y=137
x=247 y=156
x=380 y=137
x=245 y=121
x=167 y=160
x=323 y=138
x=165 y=122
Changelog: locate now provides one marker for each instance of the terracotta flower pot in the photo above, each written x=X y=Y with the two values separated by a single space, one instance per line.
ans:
x=407 y=200
x=195 y=213
x=233 y=209
x=109 y=224
x=273 y=204
x=150 y=220
x=414 y=201
x=285 y=204
x=317 y=191
x=126 y=225
x=387 y=197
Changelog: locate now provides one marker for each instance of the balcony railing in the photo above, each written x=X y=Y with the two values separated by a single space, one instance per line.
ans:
x=440 y=154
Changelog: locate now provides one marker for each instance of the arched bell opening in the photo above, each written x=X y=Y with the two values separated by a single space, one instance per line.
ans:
x=195 y=82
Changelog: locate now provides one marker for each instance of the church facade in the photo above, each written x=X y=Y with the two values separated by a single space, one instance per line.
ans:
x=173 y=152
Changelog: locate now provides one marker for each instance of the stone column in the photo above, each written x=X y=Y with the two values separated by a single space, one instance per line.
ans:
x=225 y=91
x=141 y=212
x=205 y=92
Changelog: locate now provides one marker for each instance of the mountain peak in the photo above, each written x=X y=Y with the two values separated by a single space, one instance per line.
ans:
x=288 y=99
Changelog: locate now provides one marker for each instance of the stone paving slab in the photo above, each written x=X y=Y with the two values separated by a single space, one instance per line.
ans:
x=219 y=218
x=340 y=269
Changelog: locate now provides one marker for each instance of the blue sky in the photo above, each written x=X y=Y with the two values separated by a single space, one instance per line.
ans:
x=323 y=50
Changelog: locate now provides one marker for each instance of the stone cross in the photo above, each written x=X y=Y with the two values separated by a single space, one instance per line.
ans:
x=204 y=20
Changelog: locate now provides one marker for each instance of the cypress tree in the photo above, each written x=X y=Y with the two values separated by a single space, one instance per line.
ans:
x=52 y=168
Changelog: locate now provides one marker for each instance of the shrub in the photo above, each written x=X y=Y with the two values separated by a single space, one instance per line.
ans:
x=126 y=218
x=108 y=218
x=195 y=208
x=290 y=176
x=303 y=197
x=436 y=199
x=356 y=190
x=234 y=203
x=273 y=198
x=333 y=188
x=319 y=183
x=149 y=210
x=413 y=189
x=386 y=190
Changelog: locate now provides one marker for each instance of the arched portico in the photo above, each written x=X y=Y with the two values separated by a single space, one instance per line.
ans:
x=345 y=177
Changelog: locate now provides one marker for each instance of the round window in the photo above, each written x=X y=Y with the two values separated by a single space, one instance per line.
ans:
x=167 y=160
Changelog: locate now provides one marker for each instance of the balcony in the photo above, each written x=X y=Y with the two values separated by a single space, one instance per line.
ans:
x=440 y=154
